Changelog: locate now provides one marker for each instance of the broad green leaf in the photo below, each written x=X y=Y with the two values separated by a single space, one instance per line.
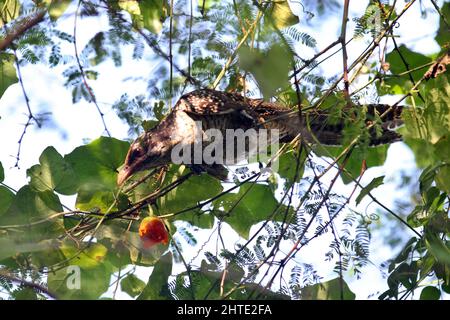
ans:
x=9 y=10
x=280 y=14
x=439 y=249
x=270 y=68
x=90 y=257
x=375 y=183
x=443 y=36
x=156 y=284
x=252 y=204
x=405 y=274
x=75 y=282
x=24 y=293
x=6 y=198
x=402 y=84
x=87 y=275
x=427 y=132
x=198 y=218
x=96 y=163
x=95 y=201
x=331 y=290
x=443 y=178
x=141 y=256
x=430 y=293
x=12 y=247
x=287 y=165
x=56 y=8
x=374 y=156
x=196 y=189
x=132 y=285
x=147 y=14
x=2 y=173
x=53 y=173
x=442 y=152
x=30 y=206
x=406 y=251
x=8 y=74
x=432 y=122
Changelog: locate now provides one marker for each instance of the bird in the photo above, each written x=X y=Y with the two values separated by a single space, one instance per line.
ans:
x=203 y=110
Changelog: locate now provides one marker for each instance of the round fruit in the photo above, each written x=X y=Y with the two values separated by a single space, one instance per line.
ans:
x=152 y=231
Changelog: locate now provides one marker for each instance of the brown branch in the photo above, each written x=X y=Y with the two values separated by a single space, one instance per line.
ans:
x=26 y=24
x=344 y=51
x=36 y=286
x=438 y=67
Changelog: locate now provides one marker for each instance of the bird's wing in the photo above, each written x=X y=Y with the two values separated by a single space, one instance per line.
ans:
x=208 y=102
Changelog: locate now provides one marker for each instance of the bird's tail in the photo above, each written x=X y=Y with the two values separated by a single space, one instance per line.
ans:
x=380 y=121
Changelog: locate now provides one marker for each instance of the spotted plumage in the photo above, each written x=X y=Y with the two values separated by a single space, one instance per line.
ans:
x=222 y=111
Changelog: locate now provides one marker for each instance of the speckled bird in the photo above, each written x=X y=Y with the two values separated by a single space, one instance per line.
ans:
x=222 y=110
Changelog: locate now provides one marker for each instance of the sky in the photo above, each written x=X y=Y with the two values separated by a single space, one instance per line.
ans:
x=74 y=124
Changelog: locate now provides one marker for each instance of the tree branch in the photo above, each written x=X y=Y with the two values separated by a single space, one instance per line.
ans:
x=26 y=24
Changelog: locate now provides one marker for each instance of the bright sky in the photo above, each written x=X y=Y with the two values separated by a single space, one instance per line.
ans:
x=72 y=124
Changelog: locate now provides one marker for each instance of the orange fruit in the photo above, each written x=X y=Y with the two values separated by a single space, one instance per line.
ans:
x=152 y=231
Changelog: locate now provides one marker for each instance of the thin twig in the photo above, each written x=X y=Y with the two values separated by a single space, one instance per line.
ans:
x=82 y=72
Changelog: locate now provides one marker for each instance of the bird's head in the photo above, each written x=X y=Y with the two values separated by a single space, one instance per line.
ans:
x=149 y=150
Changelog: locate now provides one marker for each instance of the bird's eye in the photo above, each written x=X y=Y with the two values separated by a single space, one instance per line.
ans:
x=138 y=151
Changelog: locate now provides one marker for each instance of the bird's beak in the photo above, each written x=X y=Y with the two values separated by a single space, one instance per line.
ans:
x=123 y=175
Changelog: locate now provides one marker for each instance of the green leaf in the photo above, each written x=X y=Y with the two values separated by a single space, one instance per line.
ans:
x=270 y=68
x=6 y=198
x=139 y=255
x=11 y=247
x=154 y=13
x=252 y=204
x=91 y=200
x=439 y=249
x=30 y=206
x=132 y=285
x=402 y=84
x=8 y=74
x=147 y=125
x=331 y=290
x=443 y=36
x=280 y=14
x=375 y=183
x=157 y=283
x=287 y=165
x=96 y=163
x=2 y=173
x=91 y=257
x=430 y=293
x=93 y=282
x=429 y=124
x=198 y=218
x=196 y=189
x=374 y=156
x=443 y=178
x=9 y=10
x=147 y=14
x=87 y=275
x=56 y=8
x=53 y=173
